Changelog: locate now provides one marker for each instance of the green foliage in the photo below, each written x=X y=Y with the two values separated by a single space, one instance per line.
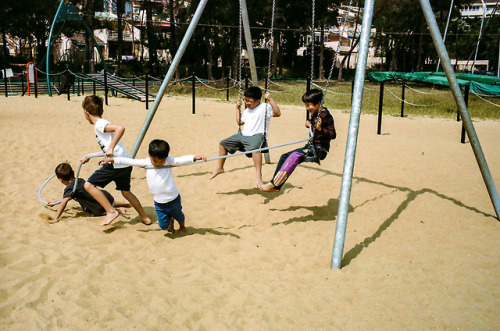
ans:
x=421 y=101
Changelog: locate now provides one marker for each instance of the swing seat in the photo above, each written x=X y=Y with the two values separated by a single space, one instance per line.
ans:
x=311 y=158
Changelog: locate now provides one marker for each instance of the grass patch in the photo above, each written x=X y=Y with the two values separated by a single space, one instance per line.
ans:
x=421 y=101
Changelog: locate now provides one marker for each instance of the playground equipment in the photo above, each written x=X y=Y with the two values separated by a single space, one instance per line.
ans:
x=355 y=116
x=67 y=12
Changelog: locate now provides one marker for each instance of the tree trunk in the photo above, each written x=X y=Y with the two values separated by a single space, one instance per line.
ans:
x=420 y=51
x=173 y=38
x=119 y=12
x=206 y=39
x=88 y=18
x=321 y=72
x=153 y=56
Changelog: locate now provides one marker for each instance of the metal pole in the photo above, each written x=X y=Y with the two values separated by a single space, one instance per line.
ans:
x=403 y=99
x=227 y=87
x=380 y=106
x=464 y=112
x=466 y=100
x=106 y=87
x=479 y=37
x=47 y=56
x=193 y=88
x=168 y=76
x=308 y=88
x=352 y=137
x=445 y=32
x=5 y=81
x=248 y=41
x=147 y=90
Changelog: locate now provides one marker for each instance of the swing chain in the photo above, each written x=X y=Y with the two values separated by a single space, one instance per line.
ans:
x=240 y=35
x=312 y=39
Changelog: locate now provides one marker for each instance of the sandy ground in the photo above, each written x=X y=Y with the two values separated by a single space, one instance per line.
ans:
x=421 y=247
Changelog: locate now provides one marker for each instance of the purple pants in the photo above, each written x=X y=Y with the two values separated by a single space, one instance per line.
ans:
x=289 y=161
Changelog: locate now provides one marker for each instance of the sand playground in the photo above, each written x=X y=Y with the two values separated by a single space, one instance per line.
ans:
x=421 y=248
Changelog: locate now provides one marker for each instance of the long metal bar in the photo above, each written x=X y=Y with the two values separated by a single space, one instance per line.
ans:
x=168 y=77
x=445 y=31
x=248 y=41
x=239 y=153
x=464 y=112
x=352 y=136
x=47 y=56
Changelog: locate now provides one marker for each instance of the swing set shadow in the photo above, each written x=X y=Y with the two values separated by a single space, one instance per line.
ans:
x=329 y=211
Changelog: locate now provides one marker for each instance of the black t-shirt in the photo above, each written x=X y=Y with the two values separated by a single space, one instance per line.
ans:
x=86 y=201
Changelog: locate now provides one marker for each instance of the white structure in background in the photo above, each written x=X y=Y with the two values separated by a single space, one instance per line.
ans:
x=475 y=9
x=349 y=33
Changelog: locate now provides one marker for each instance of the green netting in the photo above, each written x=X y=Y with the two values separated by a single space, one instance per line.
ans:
x=480 y=84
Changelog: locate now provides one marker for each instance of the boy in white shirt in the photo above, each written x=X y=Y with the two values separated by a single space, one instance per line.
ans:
x=252 y=134
x=160 y=180
x=108 y=137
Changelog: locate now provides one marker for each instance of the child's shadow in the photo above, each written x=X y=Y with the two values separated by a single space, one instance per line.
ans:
x=269 y=196
x=319 y=213
x=125 y=219
x=204 y=173
x=190 y=231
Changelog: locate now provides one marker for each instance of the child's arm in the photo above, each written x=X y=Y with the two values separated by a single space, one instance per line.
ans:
x=327 y=126
x=199 y=157
x=61 y=207
x=118 y=131
x=87 y=157
x=186 y=159
x=274 y=105
x=126 y=161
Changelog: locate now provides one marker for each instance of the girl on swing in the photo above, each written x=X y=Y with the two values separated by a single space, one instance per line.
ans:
x=254 y=130
x=323 y=127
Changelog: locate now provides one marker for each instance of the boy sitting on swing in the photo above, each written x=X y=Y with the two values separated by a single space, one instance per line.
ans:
x=324 y=130
x=253 y=133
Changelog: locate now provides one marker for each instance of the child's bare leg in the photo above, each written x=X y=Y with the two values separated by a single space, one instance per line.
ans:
x=182 y=226
x=257 y=162
x=170 y=227
x=269 y=187
x=111 y=213
x=220 y=163
x=137 y=206
x=122 y=204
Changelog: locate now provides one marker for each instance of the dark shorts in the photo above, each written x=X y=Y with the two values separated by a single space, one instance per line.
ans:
x=107 y=174
x=239 y=142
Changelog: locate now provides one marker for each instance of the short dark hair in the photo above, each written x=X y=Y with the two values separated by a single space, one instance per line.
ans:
x=253 y=92
x=159 y=148
x=93 y=104
x=315 y=96
x=65 y=172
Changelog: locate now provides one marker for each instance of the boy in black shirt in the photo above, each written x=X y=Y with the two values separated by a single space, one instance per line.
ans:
x=66 y=176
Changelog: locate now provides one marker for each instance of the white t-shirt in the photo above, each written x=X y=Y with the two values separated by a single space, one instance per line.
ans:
x=160 y=180
x=105 y=138
x=254 y=119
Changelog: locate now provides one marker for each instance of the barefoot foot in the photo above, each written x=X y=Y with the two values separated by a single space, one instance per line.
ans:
x=146 y=221
x=269 y=187
x=216 y=173
x=111 y=217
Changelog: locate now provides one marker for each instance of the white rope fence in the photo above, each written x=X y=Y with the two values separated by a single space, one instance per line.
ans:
x=485 y=100
x=409 y=103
